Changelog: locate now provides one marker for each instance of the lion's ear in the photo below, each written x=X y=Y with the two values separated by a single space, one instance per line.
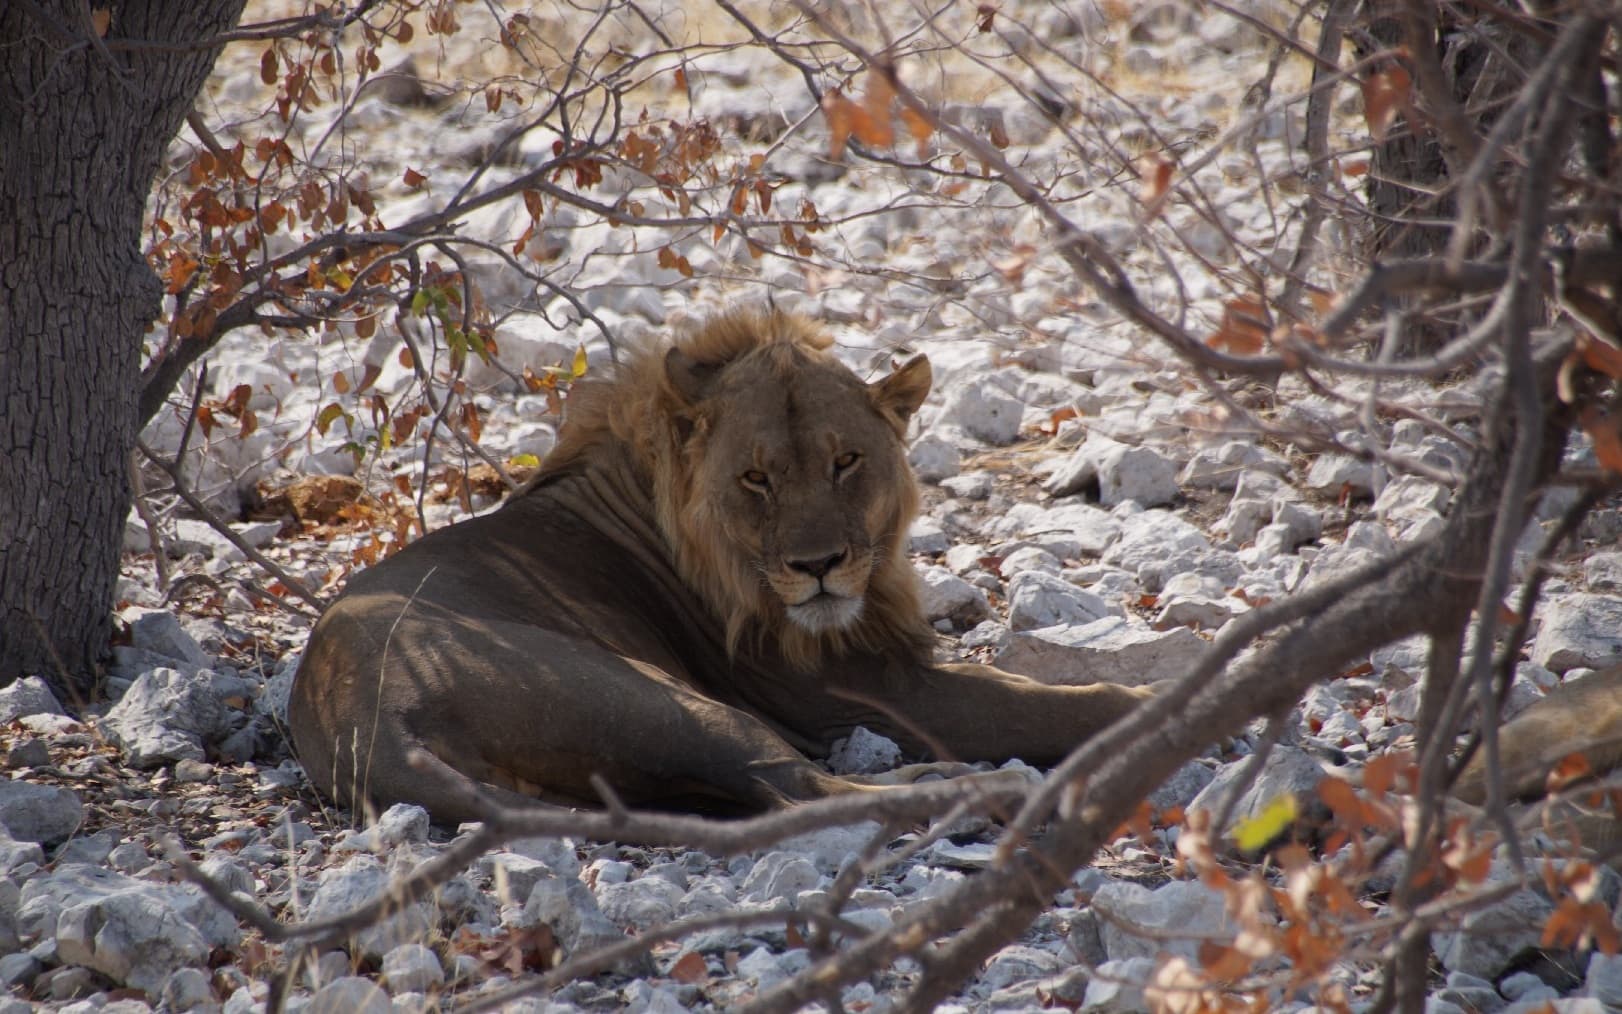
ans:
x=899 y=395
x=688 y=377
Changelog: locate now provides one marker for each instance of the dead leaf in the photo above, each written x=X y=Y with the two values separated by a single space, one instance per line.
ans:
x=1385 y=94
x=690 y=969
x=1155 y=170
x=1243 y=330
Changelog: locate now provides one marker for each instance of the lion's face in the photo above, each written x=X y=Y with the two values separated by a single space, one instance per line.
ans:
x=797 y=484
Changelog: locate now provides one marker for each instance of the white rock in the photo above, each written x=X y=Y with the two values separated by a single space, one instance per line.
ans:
x=158 y=632
x=1409 y=497
x=1172 y=919
x=31 y=812
x=970 y=486
x=934 y=458
x=1288 y=771
x=345 y=888
x=964 y=557
x=169 y=714
x=569 y=908
x=1602 y=572
x=1030 y=558
x=947 y=596
x=1221 y=467
x=27 y=696
x=1110 y=650
x=863 y=753
x=1140 y=474
x=828 y=848
x=983 y=411
x=1579 y=631
x=400 y=823
x=779 y=875
x=187 y=989
x=1489 y=940
x=1040 y=599
x=1018 y=963
x=133 y=931
x=1303 y=523
x=641 y=904
x=412 y=968
x=1604 y=982
x=1331 y=473
x=1118 y=987
x=1201 y=612
x=350 y=995
x=768 y=969
x=927 y=536
x=1180 y=788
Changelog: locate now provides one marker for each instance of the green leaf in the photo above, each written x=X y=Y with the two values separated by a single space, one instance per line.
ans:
x=1255 y=832
x=579 y=368
x=324 y=421
x=419 y=302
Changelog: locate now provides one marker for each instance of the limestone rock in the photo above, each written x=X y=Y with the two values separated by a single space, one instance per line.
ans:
x=1110 y=650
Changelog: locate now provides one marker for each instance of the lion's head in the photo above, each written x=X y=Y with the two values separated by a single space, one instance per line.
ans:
x=779 y=480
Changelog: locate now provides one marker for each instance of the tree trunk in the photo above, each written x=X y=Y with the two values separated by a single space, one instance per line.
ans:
x=83 y=126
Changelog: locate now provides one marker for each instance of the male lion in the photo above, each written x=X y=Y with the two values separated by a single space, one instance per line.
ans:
x=705 y=585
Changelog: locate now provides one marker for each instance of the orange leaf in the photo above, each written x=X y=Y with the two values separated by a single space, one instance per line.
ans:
x=340 y=383
x=101 y=19
x=1155 y=171
x=1600 y=355
x=1381 y=773
x=1602 y=429
x=1385 y=94
x=874 y=125
x=840 y=113
x=1244 y=327
x=920 y=128
x=1572 y=767
x=690 y=969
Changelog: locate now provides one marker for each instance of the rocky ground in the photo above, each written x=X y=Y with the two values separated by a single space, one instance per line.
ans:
x=1087 y=512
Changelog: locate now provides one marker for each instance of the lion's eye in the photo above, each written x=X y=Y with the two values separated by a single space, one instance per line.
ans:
x=756 y=480
x=845 y=462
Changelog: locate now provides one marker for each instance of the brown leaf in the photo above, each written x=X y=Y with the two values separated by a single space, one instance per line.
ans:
x=840 y=113
x=1600 y=355
x=984 y=15
x=1156 y=171
x=873 y=126
x=1244 y=327
x=1602 y=429
x=1573 y=767
x=1380 y=774
x=267 y=66
x=690 y=969
x=1385 y=94
x=920 y=128
x=340 y=383
x=414 y=179
x=101 y=19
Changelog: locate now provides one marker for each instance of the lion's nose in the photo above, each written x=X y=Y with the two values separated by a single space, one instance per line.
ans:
x=818 y=568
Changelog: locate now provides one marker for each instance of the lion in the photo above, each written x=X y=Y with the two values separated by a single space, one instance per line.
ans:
x=1537 y=752
x=702 y=588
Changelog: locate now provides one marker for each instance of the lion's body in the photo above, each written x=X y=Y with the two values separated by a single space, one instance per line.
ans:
x=704 y=586
x=1582 y=718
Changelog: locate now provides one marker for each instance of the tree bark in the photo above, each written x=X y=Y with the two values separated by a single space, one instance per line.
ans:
x=84 y=122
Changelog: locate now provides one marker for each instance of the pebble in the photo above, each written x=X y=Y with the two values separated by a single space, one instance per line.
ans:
x=412 y=968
